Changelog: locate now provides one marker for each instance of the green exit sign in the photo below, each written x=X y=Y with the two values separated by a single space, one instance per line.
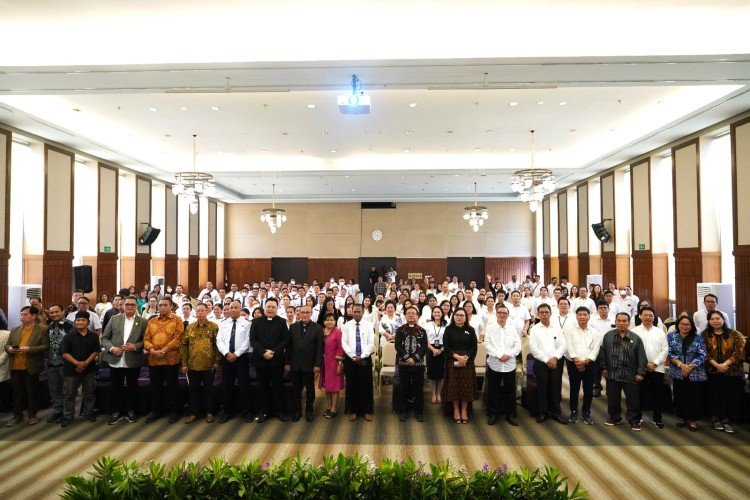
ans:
x=641 y=246
x=107 y=249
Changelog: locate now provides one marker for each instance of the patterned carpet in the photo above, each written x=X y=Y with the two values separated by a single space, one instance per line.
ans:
x=610 y=462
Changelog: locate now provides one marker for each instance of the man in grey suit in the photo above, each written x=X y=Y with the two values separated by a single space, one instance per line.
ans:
x=304 y=355
x=122 y=343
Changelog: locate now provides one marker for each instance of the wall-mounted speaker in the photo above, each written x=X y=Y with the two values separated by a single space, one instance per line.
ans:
x=149 y=235
x=601 y=232
x=82 y=279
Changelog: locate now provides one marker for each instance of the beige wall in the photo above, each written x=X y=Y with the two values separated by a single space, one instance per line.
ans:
x=107 y=209
x=583 y=218
x=59 y=200
x=686 y=196
x=414 y=230
x=639 y=177
x=4 y=190
x=742 y=176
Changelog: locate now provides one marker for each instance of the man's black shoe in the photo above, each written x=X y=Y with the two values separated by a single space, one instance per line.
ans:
x=420 y=417
x=116 y=417
x=131 y=417
x=55 y=418
x=541 y=418
x=152 y=417
x=283 y=417
x=512 y=420
x=402 y=417
x=66 y=422
x=261 y=418
x=173 y=418
x=491 y=419
x=560 y=420
x=224 y=418
x=296 y=416
x=309 y=415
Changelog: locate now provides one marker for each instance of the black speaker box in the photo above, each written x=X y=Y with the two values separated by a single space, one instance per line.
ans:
x=149 y=235
x=82 y=279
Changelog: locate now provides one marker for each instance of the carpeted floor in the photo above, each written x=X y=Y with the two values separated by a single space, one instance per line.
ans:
x=610 y=462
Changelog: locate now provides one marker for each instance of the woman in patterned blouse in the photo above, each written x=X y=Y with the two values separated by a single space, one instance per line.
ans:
x=724 y=357
x=687 y=358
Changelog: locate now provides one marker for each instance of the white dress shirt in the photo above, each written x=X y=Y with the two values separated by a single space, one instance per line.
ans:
x=563 y=322
x=519 y=316
x=501 y=341
x=95 y=323
x=206 y=294
x=582 y=344
x=602 y=325
x=127 y=328
x=177 y=298
x=701 y=321
x=443 y=296
x=434 y=333
x=655 y=343
x=546 y=342
x=477 y=324
x=241 y=336
x=349 y=338
x=587 y=303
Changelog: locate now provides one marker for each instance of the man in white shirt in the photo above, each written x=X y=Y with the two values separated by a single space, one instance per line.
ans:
x=503 y=345
x=655 y=343
x=603 y=321
x=358 y=342
x=209 y=293
x=519 y=315
x=553 y=283
x=95 y=323
x=582 y=344
x=564 y=283
x=536 y=286
x=544 y=298
x=453 y=285
x=700 y=318
x=340 y=300
x=563 y=318
x=583 y=300
x=178 y=295
x=614 y=309
x=233 y=342
x=547 y=345
x=624 y=303
x=513 y=284
x=444 y=294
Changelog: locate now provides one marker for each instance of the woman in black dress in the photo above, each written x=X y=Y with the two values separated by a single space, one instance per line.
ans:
x=460 y=346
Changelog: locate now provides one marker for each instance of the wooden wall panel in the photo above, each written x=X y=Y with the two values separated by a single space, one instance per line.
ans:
x=609 y=268
x=660 y=297
x=547 y=269
x=142 y=270
x=437 y=268
x=4 y=256
x=106 y=275
x=193 y=283
x=572 y=271
x=170 y=270
x=58 y=277
x=323 y=269
x=248 y=270
x=643 y=274
x=563 y=265
x=212 y=273
x=57 y=274
x=742 y=288
x=583 y=266
x=740 y=139
x=505 y=267
x=688 y=271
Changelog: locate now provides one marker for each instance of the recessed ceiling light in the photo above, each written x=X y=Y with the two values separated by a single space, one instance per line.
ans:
x=540 y=102
x=490 y=131
x=407 y=150
x=215 y=108
x=477 y=150
x=513 y=103
x=412 y=104
x=184 y=108
x=512 y=149
x=445 y=189
x=353 y=190
x=573 y=130
x=324 y=133
x=264 y=151
x=153 y=109
x=346 y=176
x=245 y=134
x=333 y=151
x=409 y=132
x=456 y=175
x=311 y=106
x=562 y=103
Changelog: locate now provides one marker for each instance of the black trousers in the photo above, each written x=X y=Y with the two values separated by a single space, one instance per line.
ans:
x=501 y=393
x=307 y=380
x=549 y=387
x=24 y=392
x=271 y=387
x=586 y=377
x=632 y=400
x=201 y=389
x=164 y=399
x=236 y=371
x=726 y=394
x=688 y=399
x=412 y=388
x=653 y=386
x=359 y=398
x=122 y=401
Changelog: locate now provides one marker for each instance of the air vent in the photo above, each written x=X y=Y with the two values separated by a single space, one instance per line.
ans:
x=378 y=205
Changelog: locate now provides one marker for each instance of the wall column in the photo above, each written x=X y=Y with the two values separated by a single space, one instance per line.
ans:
x=106 y=260
x=741 y=203
x=58 y=225
x=5 y=153
x=582 y=231
x=193 y=261
x=170 y=237
x=562 y=233
x=142 y=220
x=546 y=244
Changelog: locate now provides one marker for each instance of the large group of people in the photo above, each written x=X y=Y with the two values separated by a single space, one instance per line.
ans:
x=333 y=331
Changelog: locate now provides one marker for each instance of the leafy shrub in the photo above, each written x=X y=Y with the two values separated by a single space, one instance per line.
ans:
x=340 y=477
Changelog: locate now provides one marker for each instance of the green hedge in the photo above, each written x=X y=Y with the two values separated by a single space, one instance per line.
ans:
x=337 y=478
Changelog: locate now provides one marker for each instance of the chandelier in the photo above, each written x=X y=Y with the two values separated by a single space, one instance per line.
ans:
x=192 y=185
x=533 y=184
x=477 y=214
x=273 y=216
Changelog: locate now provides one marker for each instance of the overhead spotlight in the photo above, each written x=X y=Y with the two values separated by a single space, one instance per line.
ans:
x=356 y=103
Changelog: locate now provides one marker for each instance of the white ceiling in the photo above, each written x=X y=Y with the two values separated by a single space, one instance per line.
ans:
x=463 y=129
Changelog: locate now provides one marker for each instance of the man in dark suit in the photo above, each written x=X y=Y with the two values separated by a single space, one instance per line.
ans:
x=269 y=336
x=26 y=347
x=122 y=343
x=303 y=358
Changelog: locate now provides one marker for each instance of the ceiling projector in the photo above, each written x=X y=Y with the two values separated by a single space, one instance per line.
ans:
x=354 y=104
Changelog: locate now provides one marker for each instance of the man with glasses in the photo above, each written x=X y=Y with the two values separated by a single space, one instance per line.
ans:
x=95 y=323
x=122 y=343
x=581 y=350
x=162 y=343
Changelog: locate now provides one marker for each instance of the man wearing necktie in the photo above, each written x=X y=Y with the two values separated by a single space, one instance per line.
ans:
x=358 y=343
x=233 y=342
x=303 y=359
x=269 y=337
